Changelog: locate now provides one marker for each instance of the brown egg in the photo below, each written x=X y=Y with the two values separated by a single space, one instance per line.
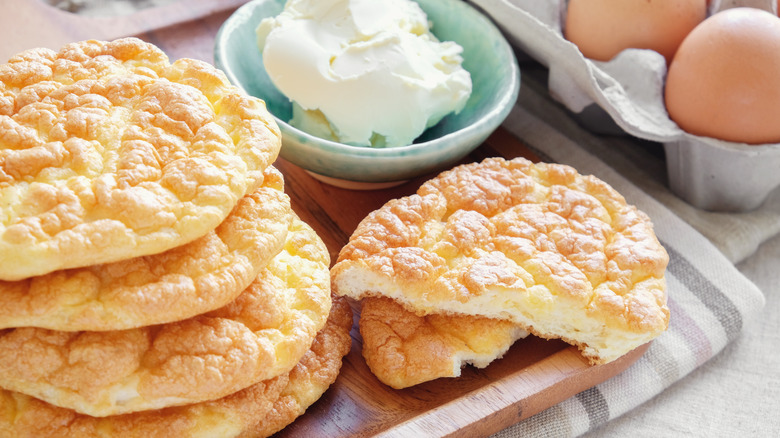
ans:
x=724 y=81
x=603 y=28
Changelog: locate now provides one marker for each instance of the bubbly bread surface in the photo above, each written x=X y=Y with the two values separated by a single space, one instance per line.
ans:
x=261 y=334
x=555 y=252
x=403 y=349
x=180 y=283
x=256 y=411
x=318 y=369
x=108 y=151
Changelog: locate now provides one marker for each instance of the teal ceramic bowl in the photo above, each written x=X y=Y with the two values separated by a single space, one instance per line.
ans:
x=487 y=56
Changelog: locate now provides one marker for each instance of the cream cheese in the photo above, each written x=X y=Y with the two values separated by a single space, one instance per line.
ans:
x=363 y=72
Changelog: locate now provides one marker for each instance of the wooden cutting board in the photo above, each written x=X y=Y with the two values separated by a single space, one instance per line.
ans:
x=534 y=375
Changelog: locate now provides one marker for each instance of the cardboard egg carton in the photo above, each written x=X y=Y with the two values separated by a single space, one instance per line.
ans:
x=627 y=91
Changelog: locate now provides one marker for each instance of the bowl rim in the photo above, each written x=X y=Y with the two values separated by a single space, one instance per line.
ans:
x=499 y=111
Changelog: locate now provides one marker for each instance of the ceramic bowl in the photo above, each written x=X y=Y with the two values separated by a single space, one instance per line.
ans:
x=486 y=55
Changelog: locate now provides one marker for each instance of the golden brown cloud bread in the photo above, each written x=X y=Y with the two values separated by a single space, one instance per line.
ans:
x=403 y=349
x=180 y=283
x=314 y=374
x=260 y=335
x=108 y=151
x=555 y=252
x=256 y=411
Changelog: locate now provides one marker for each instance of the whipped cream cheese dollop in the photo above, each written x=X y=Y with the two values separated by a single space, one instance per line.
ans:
x=363 y=72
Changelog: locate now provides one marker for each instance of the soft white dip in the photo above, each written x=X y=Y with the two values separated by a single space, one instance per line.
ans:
x=363 y=72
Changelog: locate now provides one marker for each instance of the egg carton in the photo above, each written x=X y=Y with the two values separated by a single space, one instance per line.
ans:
x=626 y=94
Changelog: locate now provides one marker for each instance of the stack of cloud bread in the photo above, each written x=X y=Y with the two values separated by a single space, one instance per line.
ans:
x=154 y=280
x=488 y=251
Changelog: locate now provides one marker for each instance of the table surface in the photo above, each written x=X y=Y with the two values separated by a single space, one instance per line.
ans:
x=736 y=393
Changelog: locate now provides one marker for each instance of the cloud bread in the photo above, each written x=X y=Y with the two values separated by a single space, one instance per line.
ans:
x=108 y=151
x=558 y=253
x=403 y=349
x=313 y=375
x=257 y=411
x=180 y=283
x=261 y=334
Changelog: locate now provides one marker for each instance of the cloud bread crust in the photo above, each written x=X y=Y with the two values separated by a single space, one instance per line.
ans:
x=313 y=375
x=182 y=282
x=257 y=411
x=108 y=151
x=261 y=334
x=558 y=253
x=403 y=349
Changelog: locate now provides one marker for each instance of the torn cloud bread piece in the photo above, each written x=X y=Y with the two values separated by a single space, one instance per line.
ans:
x=261 y=334
x=108 y=151
x=555 y=252
x=257 y=411
x=403 y=349
x=180 y=283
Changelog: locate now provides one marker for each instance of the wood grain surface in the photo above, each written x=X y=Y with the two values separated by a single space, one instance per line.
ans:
x=535 y=374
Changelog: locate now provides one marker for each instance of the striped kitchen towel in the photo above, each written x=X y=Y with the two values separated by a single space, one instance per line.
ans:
x=709 y=299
